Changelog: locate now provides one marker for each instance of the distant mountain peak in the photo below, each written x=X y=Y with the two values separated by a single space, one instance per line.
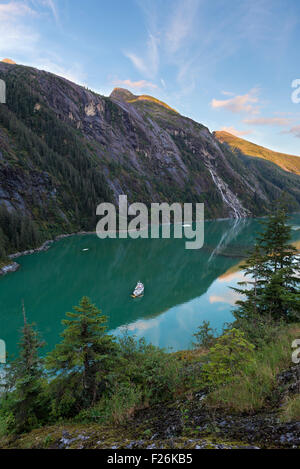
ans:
x=105 y=147
x=290 y=163
x=121 y=94
x=8 y=61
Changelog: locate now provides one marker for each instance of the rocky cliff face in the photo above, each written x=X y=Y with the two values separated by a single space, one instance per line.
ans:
x=64 y=149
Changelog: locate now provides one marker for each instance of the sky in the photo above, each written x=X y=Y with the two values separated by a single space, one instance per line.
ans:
x=229 y=64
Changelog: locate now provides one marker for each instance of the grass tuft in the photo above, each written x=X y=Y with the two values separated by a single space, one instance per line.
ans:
x=255 y=388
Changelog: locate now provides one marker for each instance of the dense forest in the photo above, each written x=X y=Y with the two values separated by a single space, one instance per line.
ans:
x=49 y=154
x=65 y=149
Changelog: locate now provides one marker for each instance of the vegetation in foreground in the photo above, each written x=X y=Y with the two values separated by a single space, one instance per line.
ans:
x=136 y=392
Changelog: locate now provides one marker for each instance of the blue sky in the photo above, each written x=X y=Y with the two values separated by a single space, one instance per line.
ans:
x=228 y=64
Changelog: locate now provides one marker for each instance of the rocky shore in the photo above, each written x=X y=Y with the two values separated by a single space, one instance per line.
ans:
x=14 y=266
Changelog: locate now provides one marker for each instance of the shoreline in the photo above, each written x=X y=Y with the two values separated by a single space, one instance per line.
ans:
x=14 y=266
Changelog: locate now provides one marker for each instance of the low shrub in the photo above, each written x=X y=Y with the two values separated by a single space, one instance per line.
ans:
x=254 y=386
x=227 y=358
x=117 y=408
x=205 y=336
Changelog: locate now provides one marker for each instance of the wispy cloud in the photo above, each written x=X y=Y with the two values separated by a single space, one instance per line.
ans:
x=195 y=37
x=295 y=131
x=51 y=5
x=137 y=62
x=147 y=66
x=234 y=131
x=167 y=42
x=246 y=103
x=138 y=85
x=273 y=121
x=21 y=38
x=16 y=36
x=227 y=93
x=10 y=11
x=181 y=23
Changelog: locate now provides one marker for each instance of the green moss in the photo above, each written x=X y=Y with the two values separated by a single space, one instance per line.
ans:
x=96 y=437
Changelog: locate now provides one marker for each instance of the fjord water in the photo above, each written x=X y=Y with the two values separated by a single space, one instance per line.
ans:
x=182 y=287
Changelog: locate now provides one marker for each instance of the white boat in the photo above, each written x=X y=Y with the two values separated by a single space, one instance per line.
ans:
x=138 y=291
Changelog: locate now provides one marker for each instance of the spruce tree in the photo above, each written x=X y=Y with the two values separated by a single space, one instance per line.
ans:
x=274 y=242
x=25 y=379
x=85 y=349
x=274 y=270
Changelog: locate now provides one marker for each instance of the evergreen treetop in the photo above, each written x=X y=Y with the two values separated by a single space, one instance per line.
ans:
x=85 y=348
x=274 y=269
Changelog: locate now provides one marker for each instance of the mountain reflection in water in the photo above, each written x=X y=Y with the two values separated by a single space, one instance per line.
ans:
x=182 y=287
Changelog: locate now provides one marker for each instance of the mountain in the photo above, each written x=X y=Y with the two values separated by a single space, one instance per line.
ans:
x=8 y=61
x=64 y=149
x=289 y=163
x=124 y=95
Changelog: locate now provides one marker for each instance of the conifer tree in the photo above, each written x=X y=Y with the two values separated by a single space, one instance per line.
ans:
x=85 y=349
x=25 y=378
x=274 y=268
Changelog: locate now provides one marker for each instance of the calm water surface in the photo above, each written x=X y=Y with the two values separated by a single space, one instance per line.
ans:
x=182 y=288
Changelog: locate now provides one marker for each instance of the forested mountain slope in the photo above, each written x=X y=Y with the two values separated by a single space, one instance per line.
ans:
x=290 y=163
x=65 y=149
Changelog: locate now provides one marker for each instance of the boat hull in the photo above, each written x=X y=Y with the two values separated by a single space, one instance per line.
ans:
x=137 y=296
x=138 y=291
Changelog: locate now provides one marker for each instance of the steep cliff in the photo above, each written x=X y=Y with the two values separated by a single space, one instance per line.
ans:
x=64 y=149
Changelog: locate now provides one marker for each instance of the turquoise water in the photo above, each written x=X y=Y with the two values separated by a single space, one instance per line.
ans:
x=182 y=287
